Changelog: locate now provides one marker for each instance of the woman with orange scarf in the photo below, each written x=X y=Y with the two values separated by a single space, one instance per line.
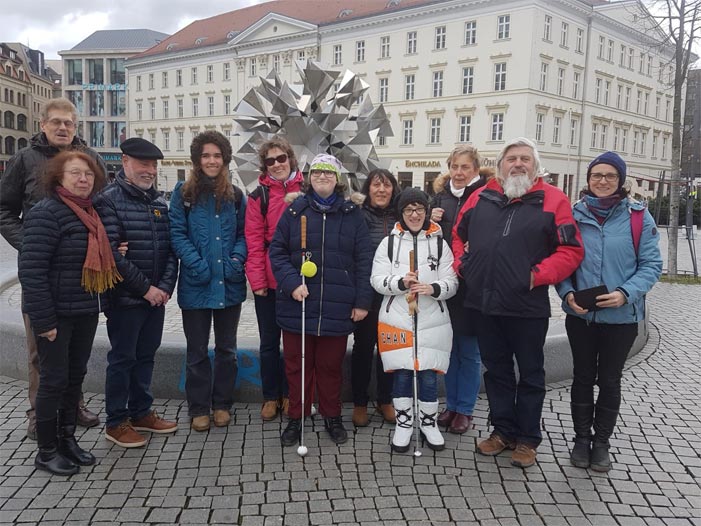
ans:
x=65 y=266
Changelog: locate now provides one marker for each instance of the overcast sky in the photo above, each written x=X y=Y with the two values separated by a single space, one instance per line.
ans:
x=52 y=26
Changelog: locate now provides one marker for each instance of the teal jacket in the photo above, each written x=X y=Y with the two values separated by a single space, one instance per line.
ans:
x=211 y=247
x=610 y=259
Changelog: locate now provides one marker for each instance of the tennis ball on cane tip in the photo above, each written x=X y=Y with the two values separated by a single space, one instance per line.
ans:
x=302 y=451
x=308 y=269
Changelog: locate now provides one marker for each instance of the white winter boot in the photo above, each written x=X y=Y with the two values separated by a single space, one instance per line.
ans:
x=403 y=428
x=428 y=413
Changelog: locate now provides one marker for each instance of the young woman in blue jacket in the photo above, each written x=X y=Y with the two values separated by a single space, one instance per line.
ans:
x=601 y=337
x=207 y=234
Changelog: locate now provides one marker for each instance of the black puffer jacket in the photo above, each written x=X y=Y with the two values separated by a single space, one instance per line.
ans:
x=51 y=266
x=450 y=204
x=20 y=187
x=141 y=218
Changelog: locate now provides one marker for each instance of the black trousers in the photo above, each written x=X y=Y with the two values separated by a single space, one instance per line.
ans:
x=599 y=352
x=364 y=342
x=63 y=364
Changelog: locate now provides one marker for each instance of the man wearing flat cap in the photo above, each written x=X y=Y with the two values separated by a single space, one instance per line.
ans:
x=135 y=213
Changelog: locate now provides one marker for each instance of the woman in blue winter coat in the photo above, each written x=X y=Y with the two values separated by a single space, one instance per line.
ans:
x=621 y=252
x=207 y=233
x=336 y=297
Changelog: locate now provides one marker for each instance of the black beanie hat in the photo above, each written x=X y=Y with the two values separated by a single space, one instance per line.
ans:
x=614 y=160
x=411 y=196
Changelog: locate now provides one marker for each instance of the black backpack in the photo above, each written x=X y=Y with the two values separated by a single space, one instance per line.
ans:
x=262 y=193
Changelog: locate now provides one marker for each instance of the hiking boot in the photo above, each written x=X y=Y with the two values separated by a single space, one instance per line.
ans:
x=360 y=416
x=290 y=436
x=460 y=424
x=154 y=423
x=222 y=417
x=335 y=429
x=404 y=424
x=200 y=423
x=600 y=459
x=494 y=445
x=269 y=410
x=86 y=418
x=580 y=456
x=387 y=411
x=428 y=412
x=446 y=418
x=49 y=459
x=124 y=435
x=523 y=456
x=285 y=405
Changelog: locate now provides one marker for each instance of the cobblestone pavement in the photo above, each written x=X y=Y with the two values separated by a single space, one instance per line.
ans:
x=241 y=474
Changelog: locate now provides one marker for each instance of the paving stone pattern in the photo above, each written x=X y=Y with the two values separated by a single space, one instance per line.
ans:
x=241 y=474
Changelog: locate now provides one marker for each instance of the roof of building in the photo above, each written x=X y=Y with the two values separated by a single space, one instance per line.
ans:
x=120 y=39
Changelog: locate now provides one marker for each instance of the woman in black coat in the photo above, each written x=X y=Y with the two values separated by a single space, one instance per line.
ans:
x=65 y=265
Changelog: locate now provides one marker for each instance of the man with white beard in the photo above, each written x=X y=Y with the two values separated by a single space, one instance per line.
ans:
x=512 y=238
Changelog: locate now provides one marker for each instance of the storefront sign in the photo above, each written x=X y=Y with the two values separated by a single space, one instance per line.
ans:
x=422 y=164
x=111 y=156
x=105 y=87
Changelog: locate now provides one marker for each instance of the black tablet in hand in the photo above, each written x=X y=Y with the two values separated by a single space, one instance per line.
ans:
x=587 y=298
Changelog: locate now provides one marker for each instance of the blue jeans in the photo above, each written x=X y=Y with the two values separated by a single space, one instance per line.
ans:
x=135 y=335
x=515 y=407
x=462 y=381
x=272 y=366
x=427 y=384
x=206 y=390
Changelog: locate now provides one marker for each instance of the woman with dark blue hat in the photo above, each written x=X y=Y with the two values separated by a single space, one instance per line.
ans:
x=621 y=254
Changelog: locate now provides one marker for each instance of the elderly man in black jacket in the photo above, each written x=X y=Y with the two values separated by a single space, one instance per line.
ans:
x=136 y=213
x=20 y=190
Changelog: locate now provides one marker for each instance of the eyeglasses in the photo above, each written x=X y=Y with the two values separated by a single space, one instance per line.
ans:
x=319 y=174
x=414 y=211
x=281 y=159
x=610 y=177
x=56 y=123
x=78 y=173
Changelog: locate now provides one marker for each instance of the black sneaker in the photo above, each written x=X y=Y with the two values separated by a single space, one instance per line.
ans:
x=600 y=458
x=581 y=452
x=290 y=436
x=334 y=426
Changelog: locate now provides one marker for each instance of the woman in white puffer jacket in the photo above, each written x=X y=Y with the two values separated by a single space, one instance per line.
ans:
x=427 y=288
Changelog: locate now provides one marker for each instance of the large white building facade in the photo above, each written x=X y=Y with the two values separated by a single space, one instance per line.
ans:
x=579 y=77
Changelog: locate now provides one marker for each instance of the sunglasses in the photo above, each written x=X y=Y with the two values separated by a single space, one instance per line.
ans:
x=270 y=161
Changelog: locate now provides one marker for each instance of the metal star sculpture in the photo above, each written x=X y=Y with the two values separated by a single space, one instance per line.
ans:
x=344 y=124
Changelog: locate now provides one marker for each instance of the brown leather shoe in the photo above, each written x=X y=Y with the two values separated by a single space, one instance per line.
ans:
x=154 y=423
x=460 y=424
x=446 y=418
x=200 y=423
x=388 y=414
x=360 y=416
x=494 y=445
x=222 y=417
x=523 y=456
x=285 y=406
x=86 y=418
x=269 y=410
x=124 y=435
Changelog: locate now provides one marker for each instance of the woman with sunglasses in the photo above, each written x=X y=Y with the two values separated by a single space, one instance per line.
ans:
x=626 y=259
x=279 y=183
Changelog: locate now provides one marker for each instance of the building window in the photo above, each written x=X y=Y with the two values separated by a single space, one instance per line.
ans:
x=360 y=51
x=641 y=65
x=564 y=34
x=622 y=56
x=543 y=76
x=96 y=70
x=465 y=125
x=301 y=55
x=210 y=105
x=150 y=81
x=597 y=90
x=648 y=68
x=503 y=26
x=580 y=40
x=384 y=47
x=609 y=53
x=631 y=57
x=636 y=137
x=152 y=110
x=227 y=104
x=434 y=136
x=667 y=107
x=381 y=140
x=557 y=122
x=628 y=91
x=624 y=139
x=500 y=76
x=139 y=112
x=607 y=92
x=604 y=130
x=178 y=77
x=165 y=108
x=602 y=45
x=181 y=141
x=411 y=43
x=138 y=83
x=252 y=67
x=658 y=101
x=594 y=134
x=539 y=123
x=407 y=132
x=180 y=105
x=195 y=106
x=437 y=84
x=337 y=54
x=384 y=89
x=575 y=84
x=210 y=73
x=164 y=79
x=638 y=102
x=440 y=33
x=616 y=138
x=560 y=81
x=643 y=140
x=276 y=62
x=497 y=126
x=547 y=28
x=193 y=76
x=470 y=33
x=574 y=125
x=409 y=83
x=75 y=73
x=468 y=79
x=654 y=145
x=646 y=103
x=226 y=71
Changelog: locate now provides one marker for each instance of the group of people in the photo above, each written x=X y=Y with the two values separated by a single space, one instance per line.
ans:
x=441 y=285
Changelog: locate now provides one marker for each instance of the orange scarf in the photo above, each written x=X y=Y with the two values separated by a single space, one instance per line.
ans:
x=99 y=270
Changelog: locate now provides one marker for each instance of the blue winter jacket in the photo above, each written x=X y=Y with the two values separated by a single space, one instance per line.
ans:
x=609 y=259
x=338 y=242
x=211 y=247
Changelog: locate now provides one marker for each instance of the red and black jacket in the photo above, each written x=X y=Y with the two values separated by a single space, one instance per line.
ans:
x=510 y=239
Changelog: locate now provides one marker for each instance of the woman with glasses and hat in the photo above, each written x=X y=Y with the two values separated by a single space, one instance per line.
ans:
x=278 y=185
x=334 y=298
x=621 y=253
